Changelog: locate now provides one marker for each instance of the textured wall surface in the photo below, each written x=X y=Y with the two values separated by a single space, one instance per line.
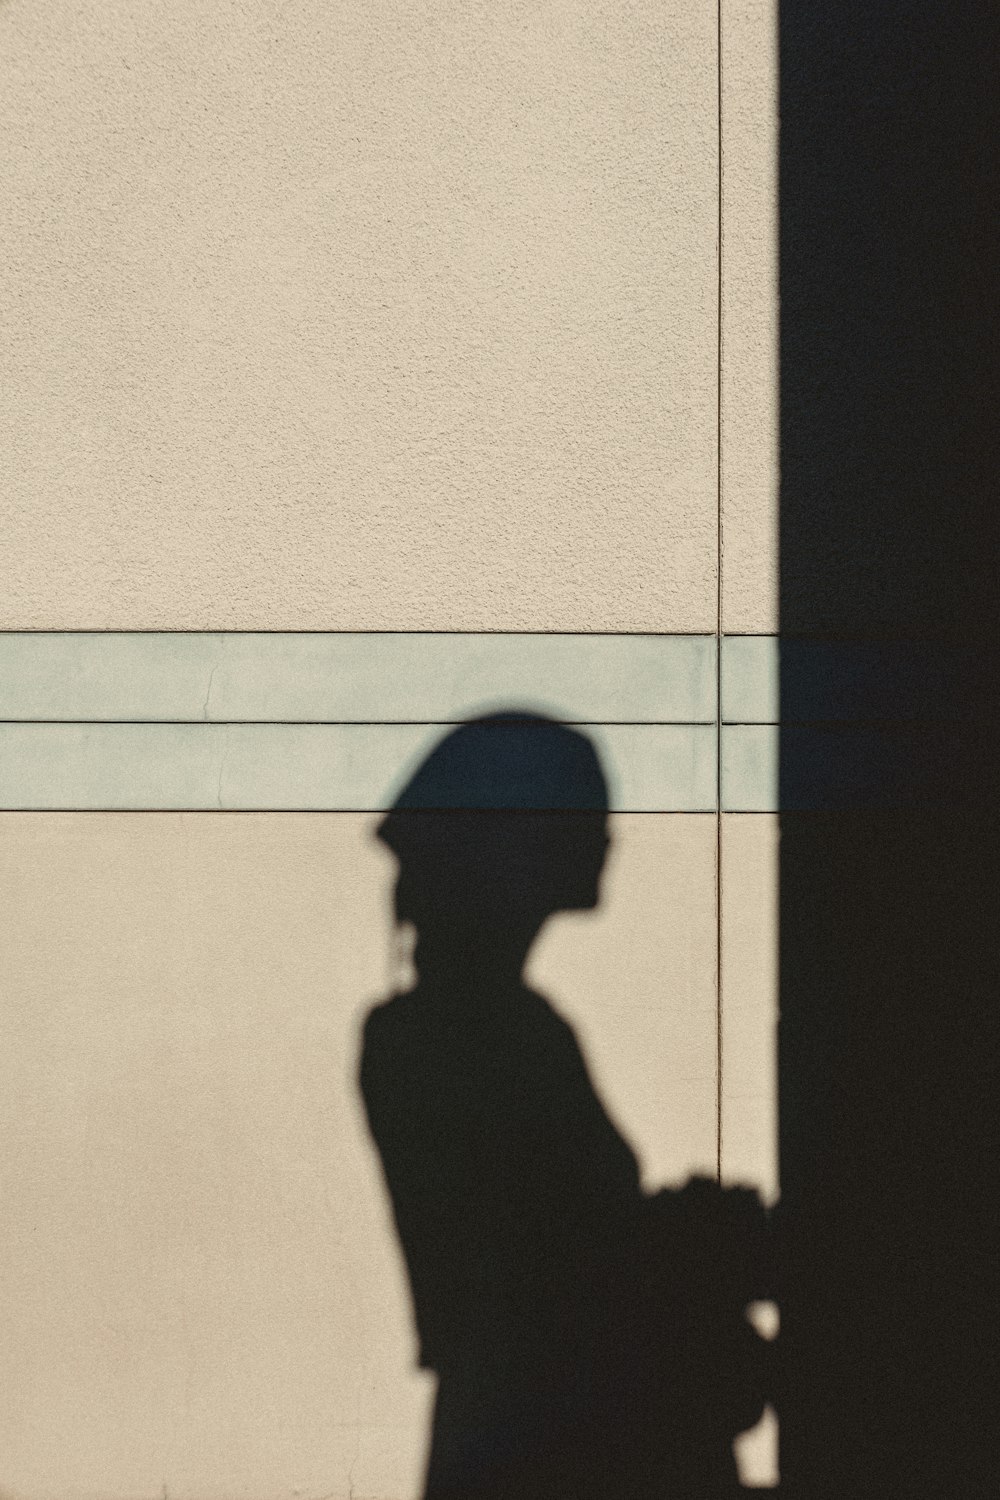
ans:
x=199 y=1276
x=748 y=325
x=352 y=317
x=348 y=316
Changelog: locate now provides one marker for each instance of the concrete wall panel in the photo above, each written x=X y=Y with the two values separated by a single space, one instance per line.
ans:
x=323 y=767
x=355 y=677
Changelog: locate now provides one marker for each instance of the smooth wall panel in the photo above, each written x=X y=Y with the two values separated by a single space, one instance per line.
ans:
x=200 y=1289
x=359 y=315
x=323 y=767
x=352 y=676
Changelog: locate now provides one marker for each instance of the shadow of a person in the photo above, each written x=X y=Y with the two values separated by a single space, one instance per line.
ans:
x=583 y=1334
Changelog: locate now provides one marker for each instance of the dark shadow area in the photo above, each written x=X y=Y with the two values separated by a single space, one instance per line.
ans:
x=889 y=874
x=588 y=1339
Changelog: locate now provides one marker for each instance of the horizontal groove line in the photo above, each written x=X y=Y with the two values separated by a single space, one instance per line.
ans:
x=834 y=723
x=368 y=723
x=583 y=634
x=833 y=638
x=632 y=812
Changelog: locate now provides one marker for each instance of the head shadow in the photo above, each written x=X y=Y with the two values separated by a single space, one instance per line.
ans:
x=503 y=825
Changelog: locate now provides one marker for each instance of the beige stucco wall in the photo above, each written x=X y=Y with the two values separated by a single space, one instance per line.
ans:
x=360 y=315
x=340 y=317
x=199 y=1277
x=748 y=326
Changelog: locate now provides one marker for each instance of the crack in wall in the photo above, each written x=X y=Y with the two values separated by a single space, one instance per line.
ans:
x=206 y=705
x=208 y=691
x=219 y=801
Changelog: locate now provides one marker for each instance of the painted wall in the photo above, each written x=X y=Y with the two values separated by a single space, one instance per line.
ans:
x=348 y=317
x=368 y=316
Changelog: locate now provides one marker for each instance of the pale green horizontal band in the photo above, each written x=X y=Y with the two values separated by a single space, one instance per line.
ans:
x=749 y=771
x=342 y=677
x=765 y=679
x=160 y=720
x=349 y=767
